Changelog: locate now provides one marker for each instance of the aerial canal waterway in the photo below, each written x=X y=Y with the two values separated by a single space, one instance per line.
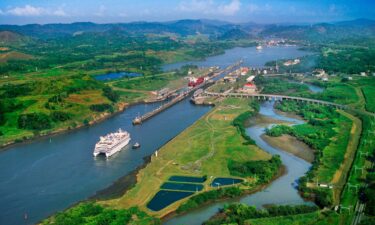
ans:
x=50 y=174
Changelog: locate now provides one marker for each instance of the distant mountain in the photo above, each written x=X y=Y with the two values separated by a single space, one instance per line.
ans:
x=234 y=34
x=321 y=32
x=357 y=22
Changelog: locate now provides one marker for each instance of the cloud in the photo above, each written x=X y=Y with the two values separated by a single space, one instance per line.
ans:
x=210 y=7
x=101 y=11
x=29 y=10
x=59 y=12
x=230 y=9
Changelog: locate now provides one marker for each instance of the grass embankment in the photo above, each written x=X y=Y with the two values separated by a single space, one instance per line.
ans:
x=359 y=170
x=202 y=149
x=369 y=93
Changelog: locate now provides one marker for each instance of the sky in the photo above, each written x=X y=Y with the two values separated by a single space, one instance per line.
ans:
x=239 y=11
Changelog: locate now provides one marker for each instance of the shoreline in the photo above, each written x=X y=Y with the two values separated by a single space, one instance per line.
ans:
x=295 y=147
x=121 y=108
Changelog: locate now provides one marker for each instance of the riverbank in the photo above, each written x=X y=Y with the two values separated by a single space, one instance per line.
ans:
x=292 y=145
x=49 y=134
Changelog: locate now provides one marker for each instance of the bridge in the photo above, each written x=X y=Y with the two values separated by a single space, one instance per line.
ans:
x=287 y=97
x=274 y=97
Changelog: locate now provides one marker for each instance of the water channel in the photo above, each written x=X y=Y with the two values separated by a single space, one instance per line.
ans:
x=39 y=178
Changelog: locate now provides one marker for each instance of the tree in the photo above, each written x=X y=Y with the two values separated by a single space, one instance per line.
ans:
x=34 y=121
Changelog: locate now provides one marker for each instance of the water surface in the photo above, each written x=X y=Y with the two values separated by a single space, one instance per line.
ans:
x=250 y=55
x=48 y=175
x=43 y=177
x=116 y=75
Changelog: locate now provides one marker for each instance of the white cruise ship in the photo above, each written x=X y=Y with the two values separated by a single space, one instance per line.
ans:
x=112 y=143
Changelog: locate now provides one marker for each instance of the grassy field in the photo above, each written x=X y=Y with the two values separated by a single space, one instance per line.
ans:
x=341 y=175
x=369 y=93
x=333 y=154
x=202 y=149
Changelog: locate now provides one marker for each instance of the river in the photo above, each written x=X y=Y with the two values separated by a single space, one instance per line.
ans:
x=251 y=57
x=50 y=174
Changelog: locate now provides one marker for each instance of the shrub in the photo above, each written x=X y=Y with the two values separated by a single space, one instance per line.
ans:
x=110 y=94
x=198 y=200
x=263 y=170
x=60 y=116
x=239 y=122
x=101 y=107
x=34 y=121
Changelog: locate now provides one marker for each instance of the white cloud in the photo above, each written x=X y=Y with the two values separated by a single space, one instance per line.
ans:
x=210 y=7
x=29 y=10
x=229 y=9
x=59 y=12
x=101 y=11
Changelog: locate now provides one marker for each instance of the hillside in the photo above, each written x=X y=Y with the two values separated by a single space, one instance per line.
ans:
x=235 y=34
x=8 y=37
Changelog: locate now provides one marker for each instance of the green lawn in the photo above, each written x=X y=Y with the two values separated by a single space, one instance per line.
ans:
x=369 y=93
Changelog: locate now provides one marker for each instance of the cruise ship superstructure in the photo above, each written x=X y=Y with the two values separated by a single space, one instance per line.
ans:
x=112 y=143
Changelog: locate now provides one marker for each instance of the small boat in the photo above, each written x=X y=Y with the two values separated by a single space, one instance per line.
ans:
x=259 y=47
x=136 y=145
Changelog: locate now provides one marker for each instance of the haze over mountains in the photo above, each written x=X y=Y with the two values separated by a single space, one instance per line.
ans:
x=355 y=29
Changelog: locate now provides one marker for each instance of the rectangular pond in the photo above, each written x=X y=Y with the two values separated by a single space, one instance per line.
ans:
x=182 y=186
x=164 y=198
x=116 y=75
x=187 y=179
x=220 y=181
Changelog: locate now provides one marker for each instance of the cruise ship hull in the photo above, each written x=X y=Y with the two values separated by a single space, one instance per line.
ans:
x=110 y=152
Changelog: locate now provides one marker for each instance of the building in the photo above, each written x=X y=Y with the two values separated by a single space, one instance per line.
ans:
x=249 y=88
x=250 y=79
x=319 y=73
x=244 y=70
x=292 y=62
